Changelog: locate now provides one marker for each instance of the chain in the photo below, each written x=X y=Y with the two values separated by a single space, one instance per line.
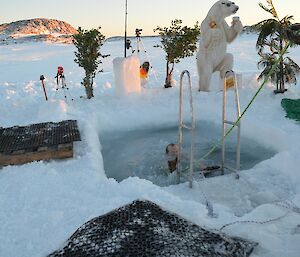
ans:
x=255 y=222
x=289 y=205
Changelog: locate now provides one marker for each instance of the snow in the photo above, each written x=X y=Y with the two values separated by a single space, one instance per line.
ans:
x=43 y=203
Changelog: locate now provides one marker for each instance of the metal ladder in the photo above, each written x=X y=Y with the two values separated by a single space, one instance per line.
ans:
x=189 y=176
x=231 y=74
x=191 y=128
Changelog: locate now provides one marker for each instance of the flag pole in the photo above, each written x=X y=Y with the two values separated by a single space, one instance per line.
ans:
x=125 y=39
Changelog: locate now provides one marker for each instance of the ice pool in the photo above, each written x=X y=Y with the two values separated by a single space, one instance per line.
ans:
x=141 y=152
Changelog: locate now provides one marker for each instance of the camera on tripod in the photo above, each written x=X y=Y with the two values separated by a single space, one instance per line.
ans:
x=61 y=81
x=138 y=32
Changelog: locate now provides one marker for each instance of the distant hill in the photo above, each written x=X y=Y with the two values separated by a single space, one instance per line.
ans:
x=39 y=29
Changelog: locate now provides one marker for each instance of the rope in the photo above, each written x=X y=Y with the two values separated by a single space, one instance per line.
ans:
x=274 y=66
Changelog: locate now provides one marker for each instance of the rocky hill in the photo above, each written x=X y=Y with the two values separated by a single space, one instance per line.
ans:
x=39 y=29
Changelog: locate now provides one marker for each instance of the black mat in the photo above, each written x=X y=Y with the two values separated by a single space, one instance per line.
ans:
x=144 y=229
x=31 y=137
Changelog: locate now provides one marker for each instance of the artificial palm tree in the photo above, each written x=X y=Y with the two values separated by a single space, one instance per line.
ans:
x=275 y=35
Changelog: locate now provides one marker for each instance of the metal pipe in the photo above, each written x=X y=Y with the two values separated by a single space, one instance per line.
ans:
x=238 y=109
x=125 y=39
x=225 y=122
x=223 y=125
x=181 y=126
x=179 y=133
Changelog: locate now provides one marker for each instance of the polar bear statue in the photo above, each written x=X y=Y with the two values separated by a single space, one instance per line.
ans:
x=215 y=34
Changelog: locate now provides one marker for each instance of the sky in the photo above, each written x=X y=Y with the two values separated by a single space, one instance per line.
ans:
x=143 y=14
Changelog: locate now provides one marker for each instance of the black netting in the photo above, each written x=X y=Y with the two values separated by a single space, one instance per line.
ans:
x=144 y=229
x=30 y=138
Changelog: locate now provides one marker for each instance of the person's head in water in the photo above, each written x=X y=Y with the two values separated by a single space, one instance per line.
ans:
x=172 y=151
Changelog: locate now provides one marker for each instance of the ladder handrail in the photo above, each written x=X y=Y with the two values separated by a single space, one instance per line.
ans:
x=181 y=126
x=225 y=121
x=208 y=204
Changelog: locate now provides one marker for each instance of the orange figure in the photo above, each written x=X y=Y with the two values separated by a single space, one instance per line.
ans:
x=144 y=70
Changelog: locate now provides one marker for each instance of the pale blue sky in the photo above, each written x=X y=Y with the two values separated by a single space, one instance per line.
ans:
x=145 y=14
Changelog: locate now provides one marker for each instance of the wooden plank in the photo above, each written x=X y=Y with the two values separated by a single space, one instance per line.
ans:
x=68 y=145
x=62 y=153
x=18 y=152
x=42 y=149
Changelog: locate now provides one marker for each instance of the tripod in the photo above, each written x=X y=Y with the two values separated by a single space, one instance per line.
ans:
x=61 y=82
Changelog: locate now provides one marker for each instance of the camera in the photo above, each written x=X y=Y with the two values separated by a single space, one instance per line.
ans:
x=128 y=44
x=60 y=70
x=138 y=32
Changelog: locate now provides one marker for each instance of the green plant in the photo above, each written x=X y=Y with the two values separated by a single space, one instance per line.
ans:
x=178 y=42
x=275 y=34
x=88 y=43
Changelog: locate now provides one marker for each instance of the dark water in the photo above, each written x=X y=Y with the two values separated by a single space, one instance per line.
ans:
x=141 y=153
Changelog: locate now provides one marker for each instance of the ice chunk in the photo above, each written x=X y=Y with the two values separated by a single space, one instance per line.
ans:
x=127 y=75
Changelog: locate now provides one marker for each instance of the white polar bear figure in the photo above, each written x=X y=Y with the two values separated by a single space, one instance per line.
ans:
x=215 y=34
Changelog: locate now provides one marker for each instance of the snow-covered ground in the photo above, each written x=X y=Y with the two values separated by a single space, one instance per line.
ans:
x=43 y=203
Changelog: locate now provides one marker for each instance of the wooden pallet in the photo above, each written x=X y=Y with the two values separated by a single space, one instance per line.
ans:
x=43 y=141
x=43 y=153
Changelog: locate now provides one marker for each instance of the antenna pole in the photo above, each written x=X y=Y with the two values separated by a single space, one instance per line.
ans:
x=125 y=39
